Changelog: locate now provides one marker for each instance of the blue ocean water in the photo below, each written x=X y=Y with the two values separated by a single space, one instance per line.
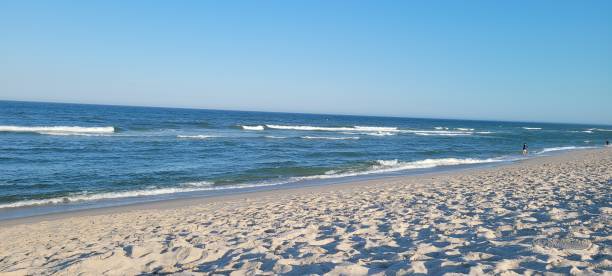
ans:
x=60 y=154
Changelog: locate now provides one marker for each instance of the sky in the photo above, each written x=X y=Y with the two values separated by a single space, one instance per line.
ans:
x=546 y=61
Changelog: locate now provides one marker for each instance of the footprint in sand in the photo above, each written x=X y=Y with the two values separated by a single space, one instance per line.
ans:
x=564 y=243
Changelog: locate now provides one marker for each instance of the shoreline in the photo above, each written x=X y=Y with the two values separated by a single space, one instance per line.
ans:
x=7 y=215
x=547 y=214
x=181 y=202
x=12 y=213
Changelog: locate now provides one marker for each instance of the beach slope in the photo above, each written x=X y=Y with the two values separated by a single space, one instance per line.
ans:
x=546 y=214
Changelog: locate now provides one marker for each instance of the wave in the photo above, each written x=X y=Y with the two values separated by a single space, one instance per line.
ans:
x=379 y=166
x=317 y=128
x=330 y=138
x=253 y=127
x=532 y=128
x=60 y=130
x=442 y=134
x=73 y=134
x=394 y=165
x=99 y=196
x=275 y=137
x=386 y=166
x=200 y=186
x=376 y=129
x=597 y=129
x=184 y=188
x=380 y=133
x=458 y=128
x=196 y=136
x=439 y=132
x=562 y=148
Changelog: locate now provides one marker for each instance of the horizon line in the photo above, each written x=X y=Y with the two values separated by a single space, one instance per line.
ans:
x=307 y=113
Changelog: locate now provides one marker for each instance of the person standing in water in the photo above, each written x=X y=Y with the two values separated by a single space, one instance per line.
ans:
x=607 y=143
x=525 y=147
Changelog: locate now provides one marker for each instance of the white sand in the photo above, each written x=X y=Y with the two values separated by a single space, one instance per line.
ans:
x=550 y=214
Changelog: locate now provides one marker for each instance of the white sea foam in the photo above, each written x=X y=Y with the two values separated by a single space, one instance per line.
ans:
x=600 y=129
x=309 y=128
x=184 y=188
x=439 y=132
x=331 y=138
x=457 y=129
x=197 y=184
x=395 y=165
x=587 y=131
x=532 y=128
x=376 y=129
x=275 y=137
x=317 y=128
x=99 y=196
x=380 y=166
x=545 y=150
x=386 y=166
x=60 y=130
x=73 y=134
x=380 y=133
x=253 y=127
x=196 y=136
x=200 y=186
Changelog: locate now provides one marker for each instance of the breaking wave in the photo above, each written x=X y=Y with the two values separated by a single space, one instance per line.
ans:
x=378 y=131
x=330 y=138
x=317 y=128
x=458 y=128
x=275 y=137
x=562 y=148
x=599 y=129
x=196 y=136
x=60 y=130
x=532 y=128
x=379 y=166
x=439 y=132
x=183 y=188
x=253 y=127
x=386 y=166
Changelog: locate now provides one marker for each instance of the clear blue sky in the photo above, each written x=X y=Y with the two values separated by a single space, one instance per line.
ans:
x=508 y=60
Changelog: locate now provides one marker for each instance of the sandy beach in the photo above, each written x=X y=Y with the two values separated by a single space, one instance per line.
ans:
x=548 y=214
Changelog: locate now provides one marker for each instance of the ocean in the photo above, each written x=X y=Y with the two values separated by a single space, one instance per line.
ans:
x=57 y=157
